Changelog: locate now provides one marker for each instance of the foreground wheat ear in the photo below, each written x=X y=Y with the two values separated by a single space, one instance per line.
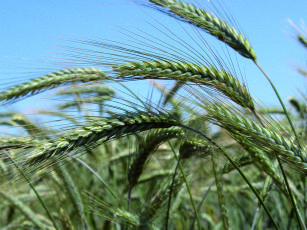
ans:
x=188 y=72
x=209 y=23
x=102 y=128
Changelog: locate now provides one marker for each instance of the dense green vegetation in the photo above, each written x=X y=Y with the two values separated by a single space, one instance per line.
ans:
x=201 y=155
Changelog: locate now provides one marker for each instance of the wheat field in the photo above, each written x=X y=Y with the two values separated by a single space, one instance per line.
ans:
x=198 y=152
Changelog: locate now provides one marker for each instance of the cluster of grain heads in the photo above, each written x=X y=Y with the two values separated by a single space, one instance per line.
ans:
x=52 y=80
x=257 y=144
x=220 y=80
x=223 y=31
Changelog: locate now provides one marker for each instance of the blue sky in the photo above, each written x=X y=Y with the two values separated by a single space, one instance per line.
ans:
x=29 y=31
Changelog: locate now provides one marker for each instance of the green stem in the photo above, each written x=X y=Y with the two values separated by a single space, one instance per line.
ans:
x=297 y=214
x=128 y=203
x=92 y=171
x=236 y=166
x=34 y=190
x=264 y=194
x=129 y=199
x=305 y=197
x=220 y=192
x=281 y=102
x=255 y=218
x=170 y=196
x=201 y=203
x=301 y=223
x=188 y=186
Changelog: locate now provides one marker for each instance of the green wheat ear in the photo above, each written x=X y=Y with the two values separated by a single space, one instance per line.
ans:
x=52 y=80
x=220 y=80
x=266 y=139
x=209 y=23
x=101 y=130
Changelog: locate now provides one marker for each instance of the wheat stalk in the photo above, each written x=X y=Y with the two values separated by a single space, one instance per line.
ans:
x=220 y=192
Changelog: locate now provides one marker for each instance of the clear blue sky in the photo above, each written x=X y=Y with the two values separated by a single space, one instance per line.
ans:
x=29 y=30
